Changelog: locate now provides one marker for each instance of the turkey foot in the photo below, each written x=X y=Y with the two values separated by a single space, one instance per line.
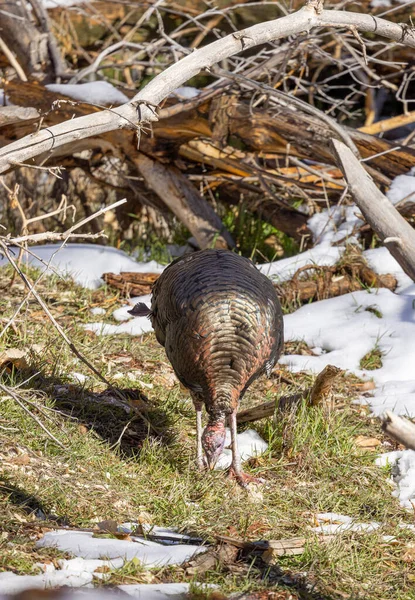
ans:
x=243 y=478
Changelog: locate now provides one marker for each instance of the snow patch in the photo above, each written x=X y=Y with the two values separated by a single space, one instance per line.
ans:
x=332 y=523
x=281 y=270
x=250 y=444
x=85 y=263
x=150 y=554
x=94 y=92
x=402 y=188
x=403 y=475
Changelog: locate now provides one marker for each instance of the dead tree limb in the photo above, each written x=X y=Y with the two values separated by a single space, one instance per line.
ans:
x=397 y=235
x=183 y=199
x=401 y=430
x=141 y=107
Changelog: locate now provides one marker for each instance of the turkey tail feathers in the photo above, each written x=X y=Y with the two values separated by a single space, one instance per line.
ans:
x=140 y=310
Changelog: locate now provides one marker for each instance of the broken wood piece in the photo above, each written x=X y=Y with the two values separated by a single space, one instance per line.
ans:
x=272 y=548
x=400 y=429
x=288 y=547
x=323 y=385
x=389 y=124
x=267 y=409
x=185 y=201
x=131 y=283
x=378 y=211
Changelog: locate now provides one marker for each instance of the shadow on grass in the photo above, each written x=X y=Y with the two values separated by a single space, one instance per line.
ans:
x=29 y=503
x=115 y=414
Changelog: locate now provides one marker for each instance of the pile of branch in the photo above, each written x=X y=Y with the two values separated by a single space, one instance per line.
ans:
x=249 y=133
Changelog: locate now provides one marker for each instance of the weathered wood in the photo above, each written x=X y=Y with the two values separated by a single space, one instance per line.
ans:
x=128 y=117
x=130 y=283
x=183 y=199
x=16 y=114
x=267 y=409
x=401 y=430
x=397 y=235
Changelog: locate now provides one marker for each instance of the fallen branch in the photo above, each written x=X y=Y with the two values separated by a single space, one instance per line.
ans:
x=401 y=430
x=183 y=199
x=131 y=283
x=397 y=235
x=141 y=107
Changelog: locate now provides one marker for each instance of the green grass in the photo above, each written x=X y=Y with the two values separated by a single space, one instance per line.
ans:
x=372 y=360
x=114 y=468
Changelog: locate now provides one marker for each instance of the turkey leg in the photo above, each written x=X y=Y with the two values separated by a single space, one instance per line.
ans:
x=236 y=466
x=199 y=431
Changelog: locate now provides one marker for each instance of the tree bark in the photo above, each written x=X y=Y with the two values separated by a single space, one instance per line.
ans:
x=183 y=199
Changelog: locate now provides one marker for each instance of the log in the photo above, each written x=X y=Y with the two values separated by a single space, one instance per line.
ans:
x=183 y=199
x=401 y=430
x=142 y=106
x=397 y=235
x=130 y=283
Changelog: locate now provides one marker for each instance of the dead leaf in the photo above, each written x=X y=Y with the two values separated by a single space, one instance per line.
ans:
x=202 y=563
x=22 y=459
x=13 y=357
x=409 y=556
x=109 y=526
x=368 y=443
x=82 y=429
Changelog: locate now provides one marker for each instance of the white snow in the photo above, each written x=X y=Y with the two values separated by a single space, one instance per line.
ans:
x=403 y=474
x=77 y=377
x=86 y=263
x=281 y=270
x=186 y=92
x=12 y=584
x=250 y=444
x=332 y=523
x=336 y=224
x=55 y=3
x=388 y=3
x=97 y=310
x=403 y=188
x=150 y=554
x=93 y=92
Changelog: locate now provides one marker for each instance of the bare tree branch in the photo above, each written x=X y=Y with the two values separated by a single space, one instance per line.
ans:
x=397 y=235
x=140 y=108
x=401 y=430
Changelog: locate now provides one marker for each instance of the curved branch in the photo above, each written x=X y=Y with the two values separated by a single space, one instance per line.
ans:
x=129 y=115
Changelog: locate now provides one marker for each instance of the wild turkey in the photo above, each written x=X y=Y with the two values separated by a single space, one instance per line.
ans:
x=220 y=322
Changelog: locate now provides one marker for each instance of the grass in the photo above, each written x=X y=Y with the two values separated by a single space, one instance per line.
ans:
x=372 y=360
x=113 y=468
